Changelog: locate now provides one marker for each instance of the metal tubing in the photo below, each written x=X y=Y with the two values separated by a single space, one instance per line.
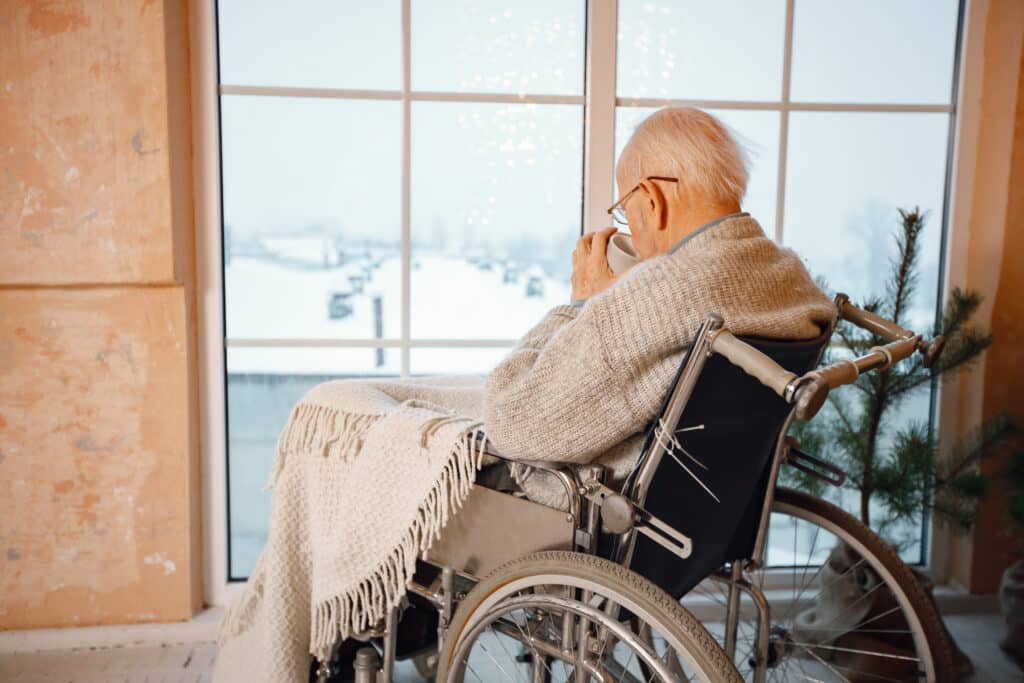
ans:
x=886 y=329
x=543 y=647
x=732 y=610
x=593 y=473
x=538 y=667
x=445 y=611
x=680 y=395
x=366 y=665
x=773 y=475
x=769 y=494
x=582 y=640
x=763 y=619
x=847 y=370
x=427 y=593
x=582 y=624
x=567 y=625
x=390 y=641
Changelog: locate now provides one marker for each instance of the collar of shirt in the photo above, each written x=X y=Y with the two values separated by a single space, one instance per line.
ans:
x=704 y=227
x=578 y=303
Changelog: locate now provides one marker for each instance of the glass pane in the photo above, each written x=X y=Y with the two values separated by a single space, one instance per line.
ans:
x=874 y=51
x=455 y=361
x=313 y=44
x=906 y=533
x=527 y=46
x=495 y=217
x=757 y=131
x=693 y=49
x=312 y=217
x=263 y=384
x=847 y=175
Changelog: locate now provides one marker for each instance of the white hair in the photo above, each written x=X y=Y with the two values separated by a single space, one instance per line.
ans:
x=689 y=144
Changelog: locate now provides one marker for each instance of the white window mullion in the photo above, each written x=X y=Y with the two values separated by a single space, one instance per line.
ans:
x=330 y=343
x=599 y=113
x=321 y=93
x=209 y=298
x=406 y=165
x=787 y=70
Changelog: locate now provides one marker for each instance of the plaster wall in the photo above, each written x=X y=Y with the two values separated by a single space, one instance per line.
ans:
x=993 y=241
x=99 y=516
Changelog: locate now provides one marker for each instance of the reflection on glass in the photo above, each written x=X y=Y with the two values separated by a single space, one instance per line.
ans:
x=496 y=210
x=263 y=384
x=757 y=131
x=313 y=44
x=846 y=176
x=311 y=217
x=874 y=51
x=692 y=49
x=526 y=46
x=455 y=361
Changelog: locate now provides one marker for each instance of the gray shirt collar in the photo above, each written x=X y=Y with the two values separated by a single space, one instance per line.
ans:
x=704 y=227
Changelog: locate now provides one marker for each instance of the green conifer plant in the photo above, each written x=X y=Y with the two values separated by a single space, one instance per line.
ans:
x=894 y=465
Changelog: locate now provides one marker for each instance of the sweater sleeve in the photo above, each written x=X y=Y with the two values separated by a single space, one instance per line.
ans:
x=554 y=397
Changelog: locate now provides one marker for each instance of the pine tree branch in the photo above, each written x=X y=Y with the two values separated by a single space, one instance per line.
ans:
x=901 y=288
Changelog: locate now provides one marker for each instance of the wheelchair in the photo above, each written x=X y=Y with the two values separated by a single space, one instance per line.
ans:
x=610 y=588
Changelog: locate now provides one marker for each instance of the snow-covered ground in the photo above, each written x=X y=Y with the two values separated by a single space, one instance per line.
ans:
x=451 y=298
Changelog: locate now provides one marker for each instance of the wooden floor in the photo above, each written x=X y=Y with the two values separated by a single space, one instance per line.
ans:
x=977 y=634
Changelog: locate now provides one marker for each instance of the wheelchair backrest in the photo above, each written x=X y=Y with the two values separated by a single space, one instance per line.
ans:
x=725 y=440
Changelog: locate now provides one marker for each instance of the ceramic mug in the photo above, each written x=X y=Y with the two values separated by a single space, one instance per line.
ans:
x=622 y=255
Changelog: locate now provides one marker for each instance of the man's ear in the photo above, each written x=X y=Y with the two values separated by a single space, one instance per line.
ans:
x=656 y=204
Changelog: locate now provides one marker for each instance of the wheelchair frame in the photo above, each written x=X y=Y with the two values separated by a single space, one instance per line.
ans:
x=592 y=505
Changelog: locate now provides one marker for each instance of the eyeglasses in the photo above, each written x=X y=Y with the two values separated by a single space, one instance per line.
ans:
x=618 y=209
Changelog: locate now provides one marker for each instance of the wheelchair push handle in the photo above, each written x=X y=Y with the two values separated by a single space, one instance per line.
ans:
x=753 y=362
x=808 y=392
x=888 y=330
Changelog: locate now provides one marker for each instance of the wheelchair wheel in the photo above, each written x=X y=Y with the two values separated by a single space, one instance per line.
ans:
x=846 y=608
x=563 y=616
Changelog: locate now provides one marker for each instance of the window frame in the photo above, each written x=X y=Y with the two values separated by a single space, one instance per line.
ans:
x=599 y=102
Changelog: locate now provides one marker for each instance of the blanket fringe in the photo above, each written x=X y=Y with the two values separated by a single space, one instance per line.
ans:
x=365 y=604
x=241 y=613
x=314 y=428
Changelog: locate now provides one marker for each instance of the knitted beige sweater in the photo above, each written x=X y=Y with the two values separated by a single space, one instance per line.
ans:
x=583 y=383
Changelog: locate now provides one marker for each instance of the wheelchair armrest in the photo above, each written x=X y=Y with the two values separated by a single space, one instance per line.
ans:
x=560 y=470
x=548 y=465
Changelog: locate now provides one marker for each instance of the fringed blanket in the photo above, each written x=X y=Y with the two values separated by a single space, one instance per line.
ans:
x=367 y=475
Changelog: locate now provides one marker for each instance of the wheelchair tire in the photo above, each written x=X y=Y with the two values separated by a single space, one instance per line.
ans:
x=918 y=621
x=544 y=574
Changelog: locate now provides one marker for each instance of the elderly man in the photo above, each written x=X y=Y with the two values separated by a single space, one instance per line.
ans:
x=369 y=472
x=584 y=382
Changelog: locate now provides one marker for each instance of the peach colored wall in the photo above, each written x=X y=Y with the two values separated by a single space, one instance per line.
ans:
x=99 y=504
x=994 y=248
x=993 y=550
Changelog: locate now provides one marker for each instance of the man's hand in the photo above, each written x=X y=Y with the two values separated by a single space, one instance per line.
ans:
x=590 y=271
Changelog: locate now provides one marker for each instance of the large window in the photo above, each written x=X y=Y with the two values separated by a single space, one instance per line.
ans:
x=403 y=180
